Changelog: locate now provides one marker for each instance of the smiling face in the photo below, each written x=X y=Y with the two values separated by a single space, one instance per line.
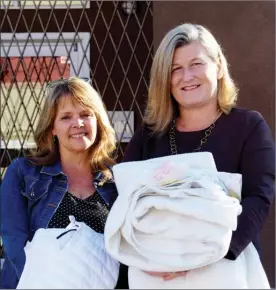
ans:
x=75 y=126
x=194 y=76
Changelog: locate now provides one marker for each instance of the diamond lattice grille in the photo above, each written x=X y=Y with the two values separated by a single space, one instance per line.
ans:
x=46 y=40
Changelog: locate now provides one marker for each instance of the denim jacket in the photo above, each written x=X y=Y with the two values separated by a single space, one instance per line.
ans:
x=30 y=196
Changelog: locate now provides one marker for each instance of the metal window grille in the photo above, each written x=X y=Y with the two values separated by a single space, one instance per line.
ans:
x=108 y=41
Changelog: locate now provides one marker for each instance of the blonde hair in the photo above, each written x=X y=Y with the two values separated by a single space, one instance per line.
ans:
x=83 y=93
x=161 y=106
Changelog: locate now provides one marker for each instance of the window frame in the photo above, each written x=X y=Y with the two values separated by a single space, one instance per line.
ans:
x=15 y=4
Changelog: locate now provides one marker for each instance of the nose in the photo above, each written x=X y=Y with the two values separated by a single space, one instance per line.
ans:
x=78 y=122
x=187 y=74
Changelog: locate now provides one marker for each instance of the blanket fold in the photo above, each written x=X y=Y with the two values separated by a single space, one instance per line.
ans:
x=176 y=213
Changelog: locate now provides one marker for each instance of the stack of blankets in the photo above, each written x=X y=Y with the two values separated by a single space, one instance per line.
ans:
x=177 y=213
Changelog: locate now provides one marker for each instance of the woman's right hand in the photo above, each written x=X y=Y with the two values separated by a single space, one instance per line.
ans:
x=166 y=275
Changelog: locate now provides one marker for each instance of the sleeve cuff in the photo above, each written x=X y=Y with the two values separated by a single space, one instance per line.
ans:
x=230 y=256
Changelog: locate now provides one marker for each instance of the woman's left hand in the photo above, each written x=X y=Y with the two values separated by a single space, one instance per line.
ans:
x=167 y=275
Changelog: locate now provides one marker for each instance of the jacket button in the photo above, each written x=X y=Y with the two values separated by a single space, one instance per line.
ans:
x=32 y=194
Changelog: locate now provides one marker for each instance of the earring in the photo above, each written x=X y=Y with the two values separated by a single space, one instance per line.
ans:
x=55 y=139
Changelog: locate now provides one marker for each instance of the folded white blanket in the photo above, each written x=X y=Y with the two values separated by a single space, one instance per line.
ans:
x=173 y=213
x=244 y=273
x=71 y=258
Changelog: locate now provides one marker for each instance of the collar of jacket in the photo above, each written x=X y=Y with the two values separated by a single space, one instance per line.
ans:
x=55 y=169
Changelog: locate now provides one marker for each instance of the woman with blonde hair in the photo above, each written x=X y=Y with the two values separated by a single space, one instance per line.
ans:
x=68 y=174
x=191 y=108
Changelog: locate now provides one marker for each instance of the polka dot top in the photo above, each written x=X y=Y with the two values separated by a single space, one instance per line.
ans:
x=92 y=211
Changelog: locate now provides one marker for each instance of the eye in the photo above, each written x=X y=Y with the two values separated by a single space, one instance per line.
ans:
x=176 y=69
x=196 y=64
x=65 y=117
x=87 y=115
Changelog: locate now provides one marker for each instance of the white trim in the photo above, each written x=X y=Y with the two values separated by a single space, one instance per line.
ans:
x=15 y=5
x=53 y=42
x=124 y=129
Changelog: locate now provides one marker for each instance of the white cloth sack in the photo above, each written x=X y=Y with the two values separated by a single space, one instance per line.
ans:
x=177 y=213
x=75 y=260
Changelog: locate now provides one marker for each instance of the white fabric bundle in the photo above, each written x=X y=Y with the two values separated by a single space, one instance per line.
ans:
x=71 y=258
x=177 y=213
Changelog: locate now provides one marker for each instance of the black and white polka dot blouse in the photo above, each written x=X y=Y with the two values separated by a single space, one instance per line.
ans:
x=92 y=211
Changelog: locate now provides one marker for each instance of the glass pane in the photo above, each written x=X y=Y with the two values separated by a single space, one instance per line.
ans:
x=22 y=95
x=51 y=3
x=6 y=3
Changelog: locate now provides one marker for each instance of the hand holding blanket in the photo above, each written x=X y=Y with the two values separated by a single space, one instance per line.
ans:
x=174 y=213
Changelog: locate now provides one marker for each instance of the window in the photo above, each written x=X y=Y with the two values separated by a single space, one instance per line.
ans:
x=22 y=90
x=44 y=4
x=25 y=73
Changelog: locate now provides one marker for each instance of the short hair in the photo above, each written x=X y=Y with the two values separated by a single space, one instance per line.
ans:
x=161 y=106
x=83 y=93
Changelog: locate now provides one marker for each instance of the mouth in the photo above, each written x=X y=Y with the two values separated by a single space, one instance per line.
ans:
x=78 y=135
x=190 y=88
